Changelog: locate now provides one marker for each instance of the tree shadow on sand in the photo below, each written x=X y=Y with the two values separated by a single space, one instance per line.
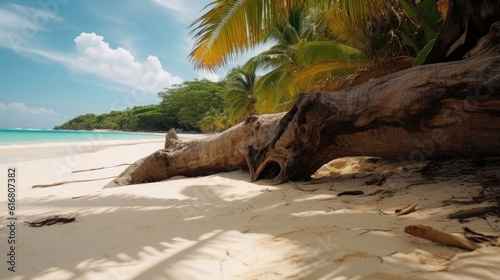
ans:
x=218 y=231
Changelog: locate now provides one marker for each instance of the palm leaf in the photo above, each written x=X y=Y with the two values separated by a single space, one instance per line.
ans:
x=240 y=94
x=308 y=76
x=214 y=120
x=423 y=53
x=274 y=89
x=231 y=27
x=271 y=59
x=357 y=22
x=312 y=52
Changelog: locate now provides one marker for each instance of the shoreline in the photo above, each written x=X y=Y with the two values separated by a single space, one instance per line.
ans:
x=26 y=137
x=26 y=152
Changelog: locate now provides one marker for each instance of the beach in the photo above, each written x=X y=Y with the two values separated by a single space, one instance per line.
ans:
x=224 y=226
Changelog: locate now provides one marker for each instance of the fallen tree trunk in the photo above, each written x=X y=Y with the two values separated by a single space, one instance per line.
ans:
x=435 y=110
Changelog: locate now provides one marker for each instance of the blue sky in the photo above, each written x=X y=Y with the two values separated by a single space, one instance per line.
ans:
x=63 y=58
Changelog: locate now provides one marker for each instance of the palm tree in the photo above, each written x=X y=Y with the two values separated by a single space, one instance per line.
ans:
x=315 y=40
x=214 y=121
x=302 y=55
x=360 y=28
x=233 y=26
x=240 y=95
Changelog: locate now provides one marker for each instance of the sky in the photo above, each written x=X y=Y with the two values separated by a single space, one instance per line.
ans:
x=64 y=58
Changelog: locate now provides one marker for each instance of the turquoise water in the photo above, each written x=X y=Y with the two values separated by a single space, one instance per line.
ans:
x=28 y=136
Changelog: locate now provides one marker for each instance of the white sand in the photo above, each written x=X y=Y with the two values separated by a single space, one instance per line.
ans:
x=225 y=227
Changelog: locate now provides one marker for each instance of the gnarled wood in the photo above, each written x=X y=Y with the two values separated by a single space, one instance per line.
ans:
x=445 y=109
x=217 y=153
x=466 y=22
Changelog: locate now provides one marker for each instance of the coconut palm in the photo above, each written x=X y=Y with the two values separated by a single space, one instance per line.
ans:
x=233 y=26
x=360 y=29
x=240 y=95
x=214 y=121
x=315 y=40
x=302 y=56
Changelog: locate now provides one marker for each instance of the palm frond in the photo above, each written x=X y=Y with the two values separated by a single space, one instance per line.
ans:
x=312 y=52
x=357 y=22
x=229 y=27
x=233 y=26
x=271 y=59
x=308 y=76
x=274 y=89
x=214 y=120
x=240 y=94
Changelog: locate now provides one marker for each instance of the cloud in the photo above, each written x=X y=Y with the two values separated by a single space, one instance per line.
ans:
x=23 y=109
x=19 y=16
x=209 y=76
x=19 y=24
x=17 y=114
x=174 y=5
x=94 y=55
x=10 y=19
x=184 y=11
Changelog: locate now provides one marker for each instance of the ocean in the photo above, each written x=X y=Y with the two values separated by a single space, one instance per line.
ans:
x=21 y=137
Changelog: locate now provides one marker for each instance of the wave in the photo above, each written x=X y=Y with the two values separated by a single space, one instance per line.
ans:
x=23 y=128
x=97 y=143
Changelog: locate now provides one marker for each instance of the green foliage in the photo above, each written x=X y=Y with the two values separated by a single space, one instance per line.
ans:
x=190 y=101
x=233 y=26
x=82 y=122
x=182 y=107
x=214 y=121
x=421 y=29
x=309 y=53
x=304 y=53
x=301 y=57
x=240 y=94
x=141 y=118
x=422 y=54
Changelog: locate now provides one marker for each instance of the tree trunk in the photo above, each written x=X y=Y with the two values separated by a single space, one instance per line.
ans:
x=466 y=22
x=435 y=110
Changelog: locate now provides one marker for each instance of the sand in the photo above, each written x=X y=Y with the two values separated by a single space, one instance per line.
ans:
x=225 y=227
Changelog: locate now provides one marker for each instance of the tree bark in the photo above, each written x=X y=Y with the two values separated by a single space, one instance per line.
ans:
x=466 y=22
x=435 y=110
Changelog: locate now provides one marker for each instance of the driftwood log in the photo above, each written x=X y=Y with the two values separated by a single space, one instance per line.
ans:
x=435 y=235
x=435 y=110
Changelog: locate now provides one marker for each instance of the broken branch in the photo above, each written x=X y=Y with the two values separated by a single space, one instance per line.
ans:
x=434 y=235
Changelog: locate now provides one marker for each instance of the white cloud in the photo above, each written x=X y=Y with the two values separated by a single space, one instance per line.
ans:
x=19 y=16
x=184 y=11
x=23 y=109
x=129 y=43
x=19 y=24
x=92 y=55
x=10 y=19
x=209 y=76
x=95 y=56
x=175 y=5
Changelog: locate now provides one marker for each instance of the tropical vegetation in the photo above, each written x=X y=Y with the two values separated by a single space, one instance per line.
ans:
x=312 y=41
x=182 y=107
